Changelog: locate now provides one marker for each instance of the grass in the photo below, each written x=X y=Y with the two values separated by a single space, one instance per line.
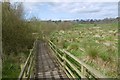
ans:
x=11 y=65
x=97 y=41
x=73 y=46
x=105 y=57
x=11 y=68
x=92 y=52
x=76 y=53
x=85 y=25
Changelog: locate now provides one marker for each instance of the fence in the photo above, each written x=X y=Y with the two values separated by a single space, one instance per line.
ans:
x=74 y=67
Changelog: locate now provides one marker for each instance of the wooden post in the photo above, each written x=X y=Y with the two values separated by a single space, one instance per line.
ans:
x=64 y=62
x=83 y=70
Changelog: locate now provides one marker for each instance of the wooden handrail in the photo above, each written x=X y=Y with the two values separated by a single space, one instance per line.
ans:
x=26 y=70
x=25 y=66
x=85 y=68
x=96 y=73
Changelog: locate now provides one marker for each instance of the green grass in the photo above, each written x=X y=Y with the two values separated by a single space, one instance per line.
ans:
x=92 y=52
x=97 y=41
x=11 y=68
x=73 y=46
x=76 y=53
x=84 y=25
x=105 y=57
x=11 y=65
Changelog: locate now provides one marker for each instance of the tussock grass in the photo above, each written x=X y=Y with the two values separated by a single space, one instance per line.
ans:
x=98 y=44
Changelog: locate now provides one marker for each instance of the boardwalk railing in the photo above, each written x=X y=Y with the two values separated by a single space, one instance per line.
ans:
x=74 y=67
x=28 y=70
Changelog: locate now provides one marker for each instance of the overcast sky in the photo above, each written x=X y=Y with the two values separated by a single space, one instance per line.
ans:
x=70 y=9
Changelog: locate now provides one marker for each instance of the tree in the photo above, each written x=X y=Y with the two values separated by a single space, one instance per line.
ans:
x=17 y=35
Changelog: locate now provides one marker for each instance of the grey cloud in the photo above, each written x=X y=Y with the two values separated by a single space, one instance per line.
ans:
x=92 y=11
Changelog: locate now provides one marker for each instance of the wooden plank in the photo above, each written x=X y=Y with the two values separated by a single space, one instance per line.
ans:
x=48 y=74
x=48 y=60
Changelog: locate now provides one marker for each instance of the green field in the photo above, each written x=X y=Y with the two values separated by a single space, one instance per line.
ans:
x=94 y=44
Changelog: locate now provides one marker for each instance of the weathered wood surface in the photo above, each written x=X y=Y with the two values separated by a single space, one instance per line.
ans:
x=46 y=64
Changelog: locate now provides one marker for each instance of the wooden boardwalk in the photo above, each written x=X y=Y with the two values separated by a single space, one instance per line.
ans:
x=43 y=64
x=46 y=64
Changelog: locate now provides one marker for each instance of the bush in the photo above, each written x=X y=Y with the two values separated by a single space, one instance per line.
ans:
x=16 y=38
x=16 y=32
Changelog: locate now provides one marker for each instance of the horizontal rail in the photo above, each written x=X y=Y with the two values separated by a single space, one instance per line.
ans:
x=96 y=73
x=26 y=70
x=25 y=66
x=82 y=76
x=85 y=70
x=61 y=64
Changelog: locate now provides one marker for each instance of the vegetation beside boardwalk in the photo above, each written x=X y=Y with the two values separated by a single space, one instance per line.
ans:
x=94 y=42
x=17 y=39
x=96 y=45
